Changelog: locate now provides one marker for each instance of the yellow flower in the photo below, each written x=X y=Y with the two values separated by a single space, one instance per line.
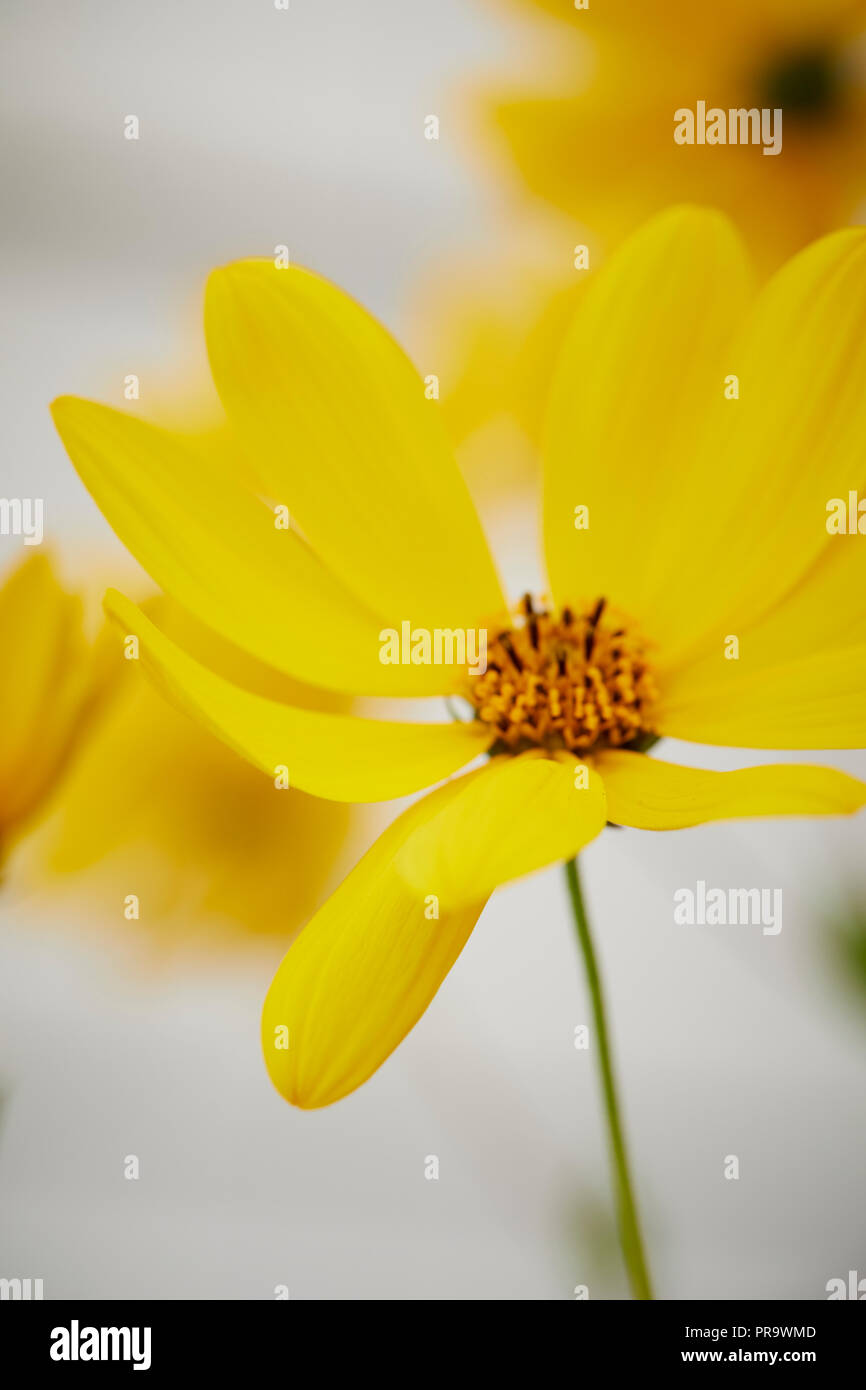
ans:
x=597 y=139
x=706 y=528
x=49 y=681
x=591 y=130
x=155 y=807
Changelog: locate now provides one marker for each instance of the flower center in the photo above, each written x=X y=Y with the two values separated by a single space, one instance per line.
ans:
x=577 y=679
x=805 y=83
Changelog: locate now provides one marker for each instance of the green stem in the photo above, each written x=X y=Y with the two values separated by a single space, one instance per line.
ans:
x=629 y=1225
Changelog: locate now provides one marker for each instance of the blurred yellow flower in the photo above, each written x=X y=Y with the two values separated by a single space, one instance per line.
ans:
x=117 y=794
x=155 y=807
x=49 y=683
x=678 y=521
x=597 y=138
x=588 y=126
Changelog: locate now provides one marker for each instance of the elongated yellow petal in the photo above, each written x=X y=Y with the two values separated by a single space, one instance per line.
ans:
x=824 y=612
x=757 y=494
x=213 y=545
x=521 y=815
x=648 y=794
x=362 y=971
x=155 y=804
x=335 y=418
x=331 y=755
x=724 y=475
x=812 y=702
x=46 y=682
x=640 y=365
x=365 y=968
x=793 y=678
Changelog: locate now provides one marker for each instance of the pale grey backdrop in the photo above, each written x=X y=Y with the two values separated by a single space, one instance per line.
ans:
x=259 y=127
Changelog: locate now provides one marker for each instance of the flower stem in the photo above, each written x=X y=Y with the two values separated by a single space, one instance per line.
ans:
x=629 y=1225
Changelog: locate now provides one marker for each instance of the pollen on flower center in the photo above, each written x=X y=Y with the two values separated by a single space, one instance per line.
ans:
x=575 y=680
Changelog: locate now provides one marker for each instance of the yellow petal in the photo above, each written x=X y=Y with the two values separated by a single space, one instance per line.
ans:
x=639 y=367
x=365 y=968
x=812 y=702
x=825 y=611
x=753 y=509
x=798 y=679
x=520 y=815
x=204 y=537
x=155 y=805
x=648 y=794
x=361 y=973
x=331 y=755
x=717 y=488
x=335 y=418
x=46 y=682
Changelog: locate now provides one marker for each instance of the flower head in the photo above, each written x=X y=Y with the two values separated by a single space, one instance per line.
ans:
x=597 y=139
x=683 y=522
x=580 y=679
